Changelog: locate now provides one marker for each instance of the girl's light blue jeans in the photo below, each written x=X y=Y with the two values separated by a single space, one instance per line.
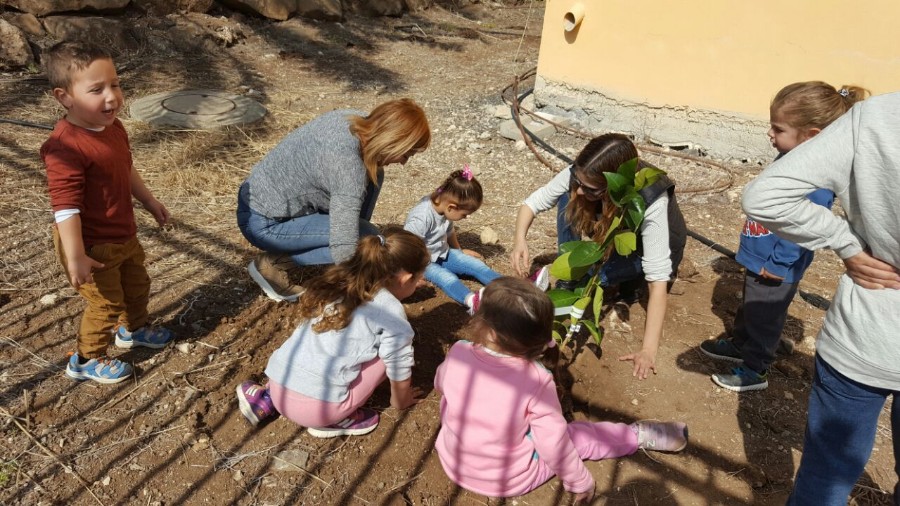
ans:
x=305 y=238
x=445 y=274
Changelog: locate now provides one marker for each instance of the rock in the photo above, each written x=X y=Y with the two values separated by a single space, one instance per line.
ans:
x=809 y=343
x=238 y=475
x=785 y=347
x=290 y=460
x=105 y=481
x=510 y=130
x=378 y=7
x=28 y=23
x=634 y=402
x=165 y=7
x=417 y=5
x=790 y=370
x=49 y=299
x=325 y=10
x=489 y=236
x=789 y=396
x=184 y=347
x=561 y=120
x=104 y=31
x=44 y=7
x=14 y=48
x=501 y=111
x=272 y=9
x=201 y=444
x=520 y=145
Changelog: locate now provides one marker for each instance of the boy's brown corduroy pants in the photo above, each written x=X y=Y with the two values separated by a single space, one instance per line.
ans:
x=118 y=295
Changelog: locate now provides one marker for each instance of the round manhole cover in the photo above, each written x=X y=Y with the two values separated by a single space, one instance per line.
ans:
x=197 y=109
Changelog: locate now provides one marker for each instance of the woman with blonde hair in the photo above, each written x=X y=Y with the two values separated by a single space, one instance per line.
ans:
x=311 y=198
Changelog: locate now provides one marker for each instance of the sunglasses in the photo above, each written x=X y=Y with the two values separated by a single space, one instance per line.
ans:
x=589 y=190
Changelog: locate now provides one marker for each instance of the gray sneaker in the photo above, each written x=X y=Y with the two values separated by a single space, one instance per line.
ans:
x=270 y=271
x=742 y=380
x=722 y=349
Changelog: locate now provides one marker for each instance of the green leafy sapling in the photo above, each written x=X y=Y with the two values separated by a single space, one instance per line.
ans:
x=579 y=258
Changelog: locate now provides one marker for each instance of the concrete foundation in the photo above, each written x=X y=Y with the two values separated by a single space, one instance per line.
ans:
x=716 y=134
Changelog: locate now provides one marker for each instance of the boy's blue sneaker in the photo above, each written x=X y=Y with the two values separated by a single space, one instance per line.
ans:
x=101 y=370
x=742 y=380
x=148 y=337
x=722 y=349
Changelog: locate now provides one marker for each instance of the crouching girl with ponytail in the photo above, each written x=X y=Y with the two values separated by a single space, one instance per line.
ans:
x=354 y=333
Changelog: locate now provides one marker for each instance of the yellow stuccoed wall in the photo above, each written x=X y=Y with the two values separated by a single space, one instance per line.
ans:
x=704 y=71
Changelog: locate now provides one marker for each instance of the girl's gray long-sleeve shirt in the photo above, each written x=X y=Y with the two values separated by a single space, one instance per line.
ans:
x=858 y=158
x=317 y=168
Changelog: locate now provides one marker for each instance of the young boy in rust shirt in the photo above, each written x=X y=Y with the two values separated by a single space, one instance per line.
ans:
x=91 y=182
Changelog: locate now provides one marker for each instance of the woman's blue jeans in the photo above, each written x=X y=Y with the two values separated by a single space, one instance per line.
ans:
x=840 y=434
x=444 y=274
x=617 y=269
x=304 y=238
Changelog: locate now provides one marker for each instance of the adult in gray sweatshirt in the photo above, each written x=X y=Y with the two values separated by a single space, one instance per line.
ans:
x=308 y=201
x=858 y=348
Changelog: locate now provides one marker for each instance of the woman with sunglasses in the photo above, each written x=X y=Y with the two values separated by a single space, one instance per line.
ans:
x=584 y=209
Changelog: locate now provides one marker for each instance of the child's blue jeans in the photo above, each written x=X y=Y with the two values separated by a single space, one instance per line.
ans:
x=840 y=434
x=445 y=274
x=617 y=269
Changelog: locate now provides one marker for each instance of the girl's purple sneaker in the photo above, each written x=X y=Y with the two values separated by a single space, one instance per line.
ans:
x=362 y=421
x=254 y=402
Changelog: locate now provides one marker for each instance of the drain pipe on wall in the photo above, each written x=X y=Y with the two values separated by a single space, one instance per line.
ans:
x=530 y=139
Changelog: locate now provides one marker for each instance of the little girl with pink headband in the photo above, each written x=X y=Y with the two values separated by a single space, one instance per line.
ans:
x=432 y=219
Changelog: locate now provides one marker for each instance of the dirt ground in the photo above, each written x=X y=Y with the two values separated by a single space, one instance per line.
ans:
x=174 y=434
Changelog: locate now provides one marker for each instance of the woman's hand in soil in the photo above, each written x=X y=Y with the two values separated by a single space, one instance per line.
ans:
x=870 y=272
x=519 y=258
x=404 y=395
x=644 y=363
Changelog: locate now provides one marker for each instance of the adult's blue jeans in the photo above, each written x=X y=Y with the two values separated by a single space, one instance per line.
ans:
x=617 y=269
x=840 y=433
x=445 y=274
x=305 y=238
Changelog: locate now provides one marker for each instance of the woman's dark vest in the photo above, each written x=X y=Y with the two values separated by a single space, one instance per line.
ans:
x=677 y=227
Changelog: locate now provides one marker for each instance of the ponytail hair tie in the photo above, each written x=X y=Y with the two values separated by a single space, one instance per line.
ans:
x=467 y=173
x=844 y=92
x=380 y=239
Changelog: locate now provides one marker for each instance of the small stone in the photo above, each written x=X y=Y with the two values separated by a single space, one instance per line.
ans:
x=291 y=460
x=484 y=135
x=634 y=402
x=238 y=475
x=184 y=347
x=380 y=485
x=520 y=145
x=105 y=481
x=489 y=236
x=789 y=396
x=49 y=299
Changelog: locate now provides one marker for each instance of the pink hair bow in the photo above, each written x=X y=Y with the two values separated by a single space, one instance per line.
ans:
x=467 y=172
